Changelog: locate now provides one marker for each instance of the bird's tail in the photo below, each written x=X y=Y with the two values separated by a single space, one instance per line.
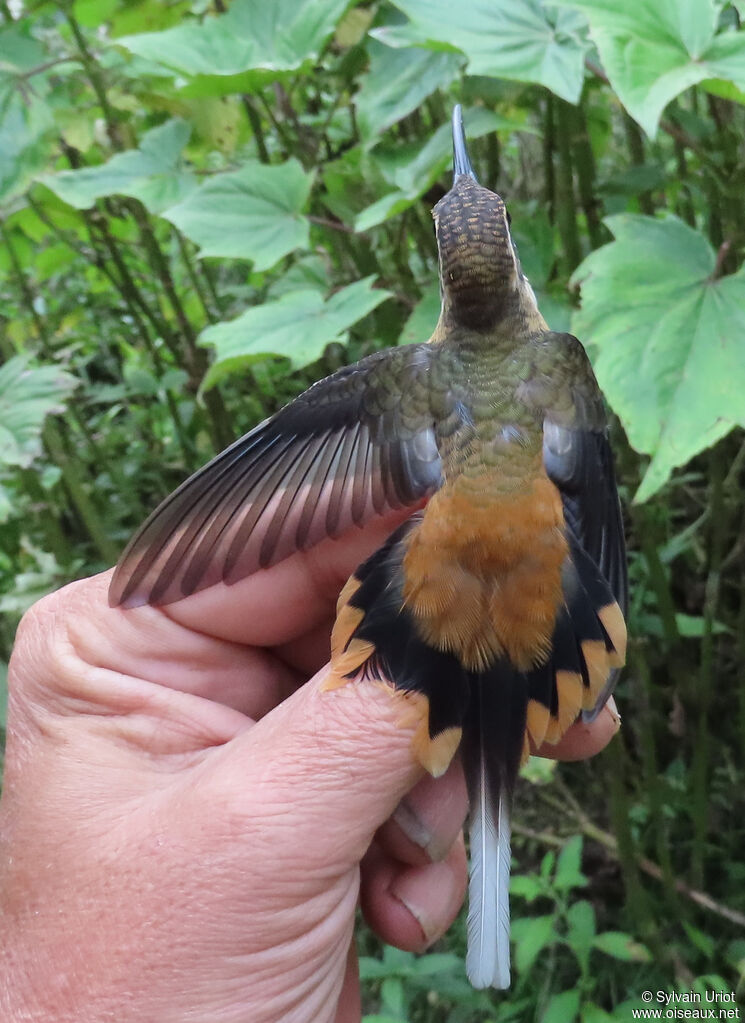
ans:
x=508 y=711
x=492 y=752
x=499 y=711
x=375 y=635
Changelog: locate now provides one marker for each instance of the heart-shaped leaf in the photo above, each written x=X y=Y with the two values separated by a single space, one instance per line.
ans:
x=28 y=394
x=251 y=35
x=298 y=326
x=524 y=40
x=652 y=51
x=152 y=173
x=252 y=213
x=670 y=354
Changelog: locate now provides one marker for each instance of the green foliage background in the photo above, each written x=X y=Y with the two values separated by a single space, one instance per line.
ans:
x=204 y=206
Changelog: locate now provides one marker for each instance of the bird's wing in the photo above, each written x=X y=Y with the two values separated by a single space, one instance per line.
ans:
x=353 y=446
x=579 y=461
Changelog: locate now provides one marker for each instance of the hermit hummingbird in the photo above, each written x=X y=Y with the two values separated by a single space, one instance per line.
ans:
x=500 y=604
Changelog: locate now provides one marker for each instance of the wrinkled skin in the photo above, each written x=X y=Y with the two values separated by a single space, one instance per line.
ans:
x=185 y=833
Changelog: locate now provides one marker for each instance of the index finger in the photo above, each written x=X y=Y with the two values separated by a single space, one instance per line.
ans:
x=277 y=605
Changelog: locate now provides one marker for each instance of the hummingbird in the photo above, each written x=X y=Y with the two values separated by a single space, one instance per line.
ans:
x=499 y=605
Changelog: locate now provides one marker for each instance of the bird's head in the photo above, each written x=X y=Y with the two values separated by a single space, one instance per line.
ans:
x=480 y=271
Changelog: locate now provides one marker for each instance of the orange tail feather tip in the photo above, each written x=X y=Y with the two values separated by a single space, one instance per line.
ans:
x=613 y=622
x=347 y=592
x=434 y=753
x=570 y=692
x=537 y=723
x=350 y=655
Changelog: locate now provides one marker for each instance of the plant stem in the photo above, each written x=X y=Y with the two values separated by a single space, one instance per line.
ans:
x=196 y=361
x=96 y=79
x=584 y=163
x=74 y=484
x=25 y=290
x=628 y=856
x=639 y=666
x=718 y=532
x=135 y=304
x=635 y=142
x=55 y=540
x=685 y=202
x=649 y=867
x=210 y=313
x=258 y=132
x=549 y=175
x=566 y=212
x=645 y=528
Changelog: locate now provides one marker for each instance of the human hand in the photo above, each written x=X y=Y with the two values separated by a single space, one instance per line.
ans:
x=184 y=832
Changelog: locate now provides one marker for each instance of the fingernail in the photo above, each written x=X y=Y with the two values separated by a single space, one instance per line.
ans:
x=432 y=814
x=612 y=709
x=428 y=895
x=433 y=826
x=412 y=825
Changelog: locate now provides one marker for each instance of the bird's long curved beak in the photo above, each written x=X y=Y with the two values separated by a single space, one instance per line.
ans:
x=461 y=163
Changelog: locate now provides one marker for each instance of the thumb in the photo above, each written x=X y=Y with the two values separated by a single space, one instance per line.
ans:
x=335 y=763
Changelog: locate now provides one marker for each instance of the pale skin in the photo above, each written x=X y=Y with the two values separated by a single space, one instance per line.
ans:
x=185 y=831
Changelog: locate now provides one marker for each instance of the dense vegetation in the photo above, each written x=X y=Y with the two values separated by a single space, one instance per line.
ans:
x=205 y=205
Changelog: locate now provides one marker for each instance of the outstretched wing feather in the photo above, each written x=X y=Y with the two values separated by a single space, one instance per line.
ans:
x=338 y=455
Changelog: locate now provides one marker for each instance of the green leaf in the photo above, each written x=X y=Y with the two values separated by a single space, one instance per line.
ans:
x=562 y=1008
x=252 y=213
x=547 y=865
x=26 y=122
x=592 y=1013
x=652 y=51
x=423 y=319
x=533 y=235
x=527 y=886
x=413 y=169
x=555 y=309
x=538 y=770
x=147 y=16
x=694 y=626
x=622 y=946
x=153 y=173
x=27 y=396
x=531 y=935
x=377 y=1018
x=92 y=13
x=436 y=963
x=669 y=339
x=725 y=90
x=397 y=83
x=702 y=941
x=522 y=40
x=398 y=959
x=634 y=180
x=580 y=919
x=383 y=209
x=568 y=868
x=251 y=35
x=298 y=326
x=392 y=996
x=373 y=969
